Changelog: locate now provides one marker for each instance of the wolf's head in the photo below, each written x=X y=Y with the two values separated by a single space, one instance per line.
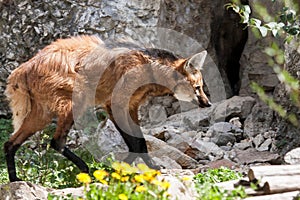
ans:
x=191 y=70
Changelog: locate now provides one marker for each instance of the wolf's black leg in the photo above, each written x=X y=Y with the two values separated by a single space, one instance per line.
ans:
x=10 y=151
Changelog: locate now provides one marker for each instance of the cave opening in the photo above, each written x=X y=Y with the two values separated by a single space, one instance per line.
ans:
x=229 y=37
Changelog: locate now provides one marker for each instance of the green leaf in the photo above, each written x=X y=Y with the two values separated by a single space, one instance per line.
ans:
x=271 y=25
x=235 y=8
x=275 y=46
x=255 y=22
x=283 y=18
x=247 y=9
x=263 y=31
x=291 y=16
x=270 y=51
x=293 y=30
x=279 y=59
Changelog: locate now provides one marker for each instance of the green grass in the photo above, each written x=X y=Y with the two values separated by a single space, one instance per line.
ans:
x=207 y=190
x=6 y=129
x=36 y=162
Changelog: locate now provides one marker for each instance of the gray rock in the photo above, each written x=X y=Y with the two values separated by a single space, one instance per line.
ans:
x=166 y=162
x=254 y=64
x=266 y=145
x=242 y=145
x=157 y=114
x=193 y=120
x=196 y=154
x=235 y=106
x=221 y=163
x=293 y=157
x=208 y=148
x=224 y=127
x=258 y=140
x=180 y=188
x=105 y=141
x=187 y=106
x=269 y=134
x=197 y=119
x=285 y=129
x=22 y=191
x=259 y=121
x=179 y=141
x=158 y=148
x=251 y=155
x=223 y=133
x=222 y=139
x=236 y=122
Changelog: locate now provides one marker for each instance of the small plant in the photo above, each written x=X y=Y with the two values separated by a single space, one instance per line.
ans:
x=207 y=190
x=122 y=183
x=217 y=175
x=40 y=164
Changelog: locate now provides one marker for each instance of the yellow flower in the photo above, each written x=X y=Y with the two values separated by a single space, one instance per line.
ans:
x=125 y=178
x=116 y=166
x=156 y=182
x=186 y=178
x=166 y=194
x=103 y=182
x=165 y=185
x=115 y=175
x=100 y=174
x=84 y=178
x=125 y=165
x=148 y=177
x=127 y=169
x=151 y=174
x=140 y=188
x=143 y=167
x=139 y=178
x=123 y=197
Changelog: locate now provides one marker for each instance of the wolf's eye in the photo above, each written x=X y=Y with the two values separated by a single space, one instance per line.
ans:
x=198 y=87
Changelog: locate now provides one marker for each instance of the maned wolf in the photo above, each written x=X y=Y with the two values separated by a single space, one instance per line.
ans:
x=45 y=87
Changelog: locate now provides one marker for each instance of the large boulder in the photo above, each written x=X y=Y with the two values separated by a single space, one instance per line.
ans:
x=223 y=133
x=158 y=148
x=259 y=121
x=236 y=106
x=22 y=191
x=106 y=140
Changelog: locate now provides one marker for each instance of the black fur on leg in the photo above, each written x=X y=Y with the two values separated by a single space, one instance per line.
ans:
x=76 y=160
x=55 y=144
x=10 y=151
x=137 y=148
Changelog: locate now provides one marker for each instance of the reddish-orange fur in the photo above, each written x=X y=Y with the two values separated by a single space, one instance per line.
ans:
x=42 y=87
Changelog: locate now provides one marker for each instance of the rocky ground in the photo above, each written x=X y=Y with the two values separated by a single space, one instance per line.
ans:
x=184 y=140
x=224 y=134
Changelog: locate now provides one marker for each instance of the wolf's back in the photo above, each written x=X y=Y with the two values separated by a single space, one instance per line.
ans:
x=53 y=68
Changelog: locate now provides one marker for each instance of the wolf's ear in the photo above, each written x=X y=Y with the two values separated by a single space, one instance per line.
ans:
x=195 y=62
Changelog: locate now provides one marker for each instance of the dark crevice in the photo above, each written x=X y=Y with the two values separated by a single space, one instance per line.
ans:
x=229 y=37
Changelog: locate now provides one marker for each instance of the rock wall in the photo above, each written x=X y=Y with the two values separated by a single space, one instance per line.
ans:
x=27 y=26
x=254 y=62
x=288 y=135
x=255 y=67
